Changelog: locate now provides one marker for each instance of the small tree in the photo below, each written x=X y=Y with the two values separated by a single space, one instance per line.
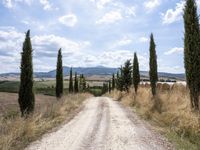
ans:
x=59 y=75
x=126 y=75
x=192 y=51
x=109 y=86
x=153 y=74
x=136 y=72
x=113 y=81
x=26 y=95
x=76 y=90
x=120 y=80
x=105 y=88
x=71 y=88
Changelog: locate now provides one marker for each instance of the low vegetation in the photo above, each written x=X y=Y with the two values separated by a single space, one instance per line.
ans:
x=40 y=87
x=171 y=114
x=17 y=132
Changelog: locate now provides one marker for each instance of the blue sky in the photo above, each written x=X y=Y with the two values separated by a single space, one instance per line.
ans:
x=92 y=32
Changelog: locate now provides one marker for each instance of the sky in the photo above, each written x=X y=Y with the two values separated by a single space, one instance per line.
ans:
x=92 y=32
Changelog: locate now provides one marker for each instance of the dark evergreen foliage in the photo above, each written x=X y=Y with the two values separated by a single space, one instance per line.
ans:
x=113 y=81
x=136 y=72
x=105 y=88
x=192 y=51
x=76 y=90
x=71 y=88
x=153 y=74
x=109 y=86
x=59 y=75
x=82 y=83
x=26 y=95
x=126 y=76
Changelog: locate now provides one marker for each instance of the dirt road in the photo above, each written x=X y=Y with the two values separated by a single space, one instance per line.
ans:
x=103 y=124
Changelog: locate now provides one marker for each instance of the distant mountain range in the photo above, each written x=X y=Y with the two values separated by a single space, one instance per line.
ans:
x=89 y=71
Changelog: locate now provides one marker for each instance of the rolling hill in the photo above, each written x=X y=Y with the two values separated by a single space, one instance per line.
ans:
x=89 y=71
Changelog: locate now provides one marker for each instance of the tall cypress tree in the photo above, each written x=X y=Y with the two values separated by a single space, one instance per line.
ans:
x=136 y=72
x=153 y=74
x=59 y=75
x=71 y=88
x=76 y=90
x=26 y=95
x=113 y=81
x=192 y=51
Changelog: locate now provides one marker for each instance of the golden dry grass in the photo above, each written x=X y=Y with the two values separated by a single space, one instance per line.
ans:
x=17 y=132
x=169 y=109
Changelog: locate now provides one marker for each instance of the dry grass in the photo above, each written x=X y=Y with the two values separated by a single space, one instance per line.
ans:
x=16 y=132
x=170 y=109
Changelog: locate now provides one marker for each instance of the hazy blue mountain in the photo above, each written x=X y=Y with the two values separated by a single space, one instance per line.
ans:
x=88 y=71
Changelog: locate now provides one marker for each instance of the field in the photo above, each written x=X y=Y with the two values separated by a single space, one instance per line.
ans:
x=41 y=87
x=16 y=132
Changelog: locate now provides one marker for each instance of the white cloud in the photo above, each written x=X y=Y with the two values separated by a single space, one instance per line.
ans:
x=130 y=11
x=69 y=20
x=143 y=39
x=124 y=41
x=46 y=4
x=151 y=4
x=8 y=3
x=44 y=42
x=174 y=50
x=110 y=17
x=12 y=3
x=45 y=49
x=174 y=15
x=100 y=4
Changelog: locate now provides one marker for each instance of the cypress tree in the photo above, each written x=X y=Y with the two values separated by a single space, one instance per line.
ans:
x=26 y=97
x=84 y=84
x=81 y=83
x=126 y=75
x=59 y=75
x=113 y=81
x=117 y=74
x=71 y=88
x=153 y=74
x=76 y=90
x=120 y=80
x=109 y=86
x=104 y=88
x=192 y=51
x=136 y=72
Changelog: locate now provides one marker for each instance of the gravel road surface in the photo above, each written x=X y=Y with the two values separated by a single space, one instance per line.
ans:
x=103 y=124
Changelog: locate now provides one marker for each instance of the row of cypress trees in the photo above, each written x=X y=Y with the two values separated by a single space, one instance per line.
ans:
x=191 y=59
x=26 y=97
x=78 y=85
x=130 y=74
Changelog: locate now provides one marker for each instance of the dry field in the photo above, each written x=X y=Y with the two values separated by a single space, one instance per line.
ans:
x=16 y=132
x=9 y=103
x=170 y=111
